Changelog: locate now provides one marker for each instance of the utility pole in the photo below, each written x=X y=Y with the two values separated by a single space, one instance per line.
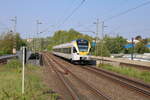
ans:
x=96 y=38
x=102 y=41
x=14 y=31
x=37 y=32
x=34 y=44
x=132 y=52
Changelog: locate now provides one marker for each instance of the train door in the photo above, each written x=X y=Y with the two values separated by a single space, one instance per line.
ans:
x=74 y=54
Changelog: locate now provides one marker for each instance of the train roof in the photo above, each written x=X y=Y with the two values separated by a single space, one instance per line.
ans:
x=79 y=39
x=64 y=45
x=70 y=44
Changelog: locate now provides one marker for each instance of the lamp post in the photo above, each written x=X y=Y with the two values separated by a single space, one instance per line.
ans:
x=102 y=30
x=132 y=52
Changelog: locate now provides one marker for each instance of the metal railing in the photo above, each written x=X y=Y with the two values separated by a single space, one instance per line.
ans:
x=7 y=57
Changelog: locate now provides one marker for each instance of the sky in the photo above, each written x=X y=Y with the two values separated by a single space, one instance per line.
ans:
x=52 y=13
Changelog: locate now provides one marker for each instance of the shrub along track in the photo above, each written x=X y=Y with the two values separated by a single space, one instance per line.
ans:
x=125 y=82
x=79 y=89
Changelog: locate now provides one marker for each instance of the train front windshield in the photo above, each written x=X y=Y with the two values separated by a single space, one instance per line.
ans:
x=82 y=45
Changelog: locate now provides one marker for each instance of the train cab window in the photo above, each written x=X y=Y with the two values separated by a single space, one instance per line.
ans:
x=74 y=50
x=90 y=50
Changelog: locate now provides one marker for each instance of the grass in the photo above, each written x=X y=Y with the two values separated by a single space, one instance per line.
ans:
x=131 y=72
x=10 y=83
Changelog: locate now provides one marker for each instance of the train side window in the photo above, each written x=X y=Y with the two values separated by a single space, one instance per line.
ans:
x=69 y=50
x=74 y=50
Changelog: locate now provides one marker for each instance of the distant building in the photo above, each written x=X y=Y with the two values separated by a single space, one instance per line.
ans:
x=134 y=41
x=29 y=40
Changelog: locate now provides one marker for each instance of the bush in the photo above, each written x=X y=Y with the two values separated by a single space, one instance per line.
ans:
x=35 y=89
x=131 y=72
x=102 y=50
x=14 y=63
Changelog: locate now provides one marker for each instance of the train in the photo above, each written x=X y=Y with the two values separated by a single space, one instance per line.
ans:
x=76 y=51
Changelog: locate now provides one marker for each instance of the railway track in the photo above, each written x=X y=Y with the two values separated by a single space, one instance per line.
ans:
x=89 y=87
x=61 y=77
x=126 y=82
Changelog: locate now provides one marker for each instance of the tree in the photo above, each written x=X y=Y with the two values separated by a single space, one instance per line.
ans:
x=19 y=41
x=63 y=36
x=115 y=44
x=141 y=48
x=7 y=43
x=102 y=50
x=138 y=37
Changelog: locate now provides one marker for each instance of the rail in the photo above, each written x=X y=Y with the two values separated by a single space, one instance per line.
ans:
x=92 y=88
x=7 y=57
x=50 y=63
x=137 y=86
x=127 y=82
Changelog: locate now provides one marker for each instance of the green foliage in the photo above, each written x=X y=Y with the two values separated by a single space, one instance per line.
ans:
x=59 y=37
x=49 y=47
x=10 y=88
x=101 y=50
x=110 y=45
x=140 y=47
x=132 y=72
x=6 y=43
x=138 y=37
x=14 y=63
x=148 y=40
x=19 y=42
x=115 y=44
x=66 y=36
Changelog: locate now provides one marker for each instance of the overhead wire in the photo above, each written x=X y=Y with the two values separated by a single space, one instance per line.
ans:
x=127 y=11
x=122 y=13
x=70 y=15
x=4 y=25
x=45 y=30
x=87 y=28
x=112 y=9
x=123 y=2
